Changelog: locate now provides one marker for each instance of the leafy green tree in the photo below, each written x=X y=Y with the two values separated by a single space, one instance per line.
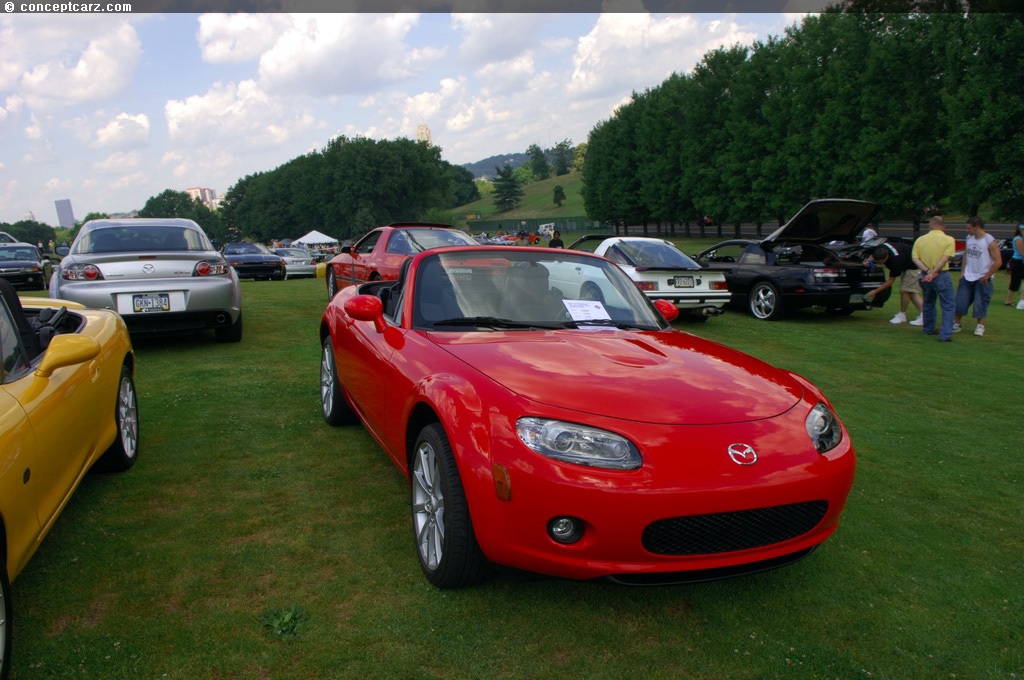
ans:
x=539 y=167
x=562 y=157
x=507 y=191
x=173 y=203
x=463 y=186
x=559 y=195
x=986 y=138
x=661 y=130
x=524 y=175
x=30 y=231
x=579 y=157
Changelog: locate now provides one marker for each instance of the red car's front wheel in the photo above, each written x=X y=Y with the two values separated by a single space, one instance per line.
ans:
x=445 y=542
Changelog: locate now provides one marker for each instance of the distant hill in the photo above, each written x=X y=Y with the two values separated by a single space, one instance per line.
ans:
x=537 y=201
x=485 y=168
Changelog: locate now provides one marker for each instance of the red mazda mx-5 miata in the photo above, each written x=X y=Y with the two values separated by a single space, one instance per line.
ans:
x=550 y=419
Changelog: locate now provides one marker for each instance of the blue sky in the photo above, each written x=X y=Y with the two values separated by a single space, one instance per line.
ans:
x=109 y=110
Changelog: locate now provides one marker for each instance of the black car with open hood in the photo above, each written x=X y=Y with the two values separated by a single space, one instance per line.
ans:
x=810 y=261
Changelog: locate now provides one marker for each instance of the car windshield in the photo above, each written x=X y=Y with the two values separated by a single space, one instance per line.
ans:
x=425 y=239
x=292 y=252
x=655 y=254
x=8 y=253
x=244 y=249
x=139 y=239
x=541 y=288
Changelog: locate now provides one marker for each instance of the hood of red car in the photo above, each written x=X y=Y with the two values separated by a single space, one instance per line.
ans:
x=657 y=377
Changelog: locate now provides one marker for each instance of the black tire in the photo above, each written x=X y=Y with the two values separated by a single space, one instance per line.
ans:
x=332 y=283
x=6 y=617
x=123 y=453
x=591 y=291
x=764 y=301
x=335 y=409
x=442 y=528
x=232 y=333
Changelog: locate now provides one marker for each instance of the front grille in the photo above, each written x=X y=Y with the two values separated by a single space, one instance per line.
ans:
x=731 y=531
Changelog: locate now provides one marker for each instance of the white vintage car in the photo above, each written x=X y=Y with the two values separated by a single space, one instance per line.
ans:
x=663 y=272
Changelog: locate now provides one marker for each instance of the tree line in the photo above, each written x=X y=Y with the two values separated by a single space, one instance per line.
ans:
x=918 y=111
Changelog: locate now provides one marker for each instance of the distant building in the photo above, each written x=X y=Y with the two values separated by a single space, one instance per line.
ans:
x=423 y=134
x=65 y=215
x=207 y=197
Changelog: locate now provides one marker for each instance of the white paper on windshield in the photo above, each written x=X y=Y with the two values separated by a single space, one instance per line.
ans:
x=586 y=310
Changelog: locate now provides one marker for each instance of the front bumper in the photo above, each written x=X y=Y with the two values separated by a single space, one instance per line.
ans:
x=689 y=513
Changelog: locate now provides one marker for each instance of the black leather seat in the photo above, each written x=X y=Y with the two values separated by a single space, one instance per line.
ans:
x=29 y=338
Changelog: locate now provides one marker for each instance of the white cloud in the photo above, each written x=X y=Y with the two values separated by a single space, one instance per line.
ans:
x=636 y=51
x=506 y=77
x=230 y=114
x=100 y=69
x=118 y=162
x=236 y=38
x=123 y=132
x=339 y=54
x=496 y=37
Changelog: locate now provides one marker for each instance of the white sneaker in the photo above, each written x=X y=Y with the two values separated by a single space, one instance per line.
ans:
x=979 y=330
x=919 y=321
x=899 y=318
x=1020 y=305
x=956 y=328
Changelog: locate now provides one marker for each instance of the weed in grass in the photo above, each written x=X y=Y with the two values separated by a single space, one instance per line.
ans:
x=284 y=623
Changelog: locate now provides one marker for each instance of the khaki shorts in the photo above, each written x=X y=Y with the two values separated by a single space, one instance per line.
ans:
x=910 y=282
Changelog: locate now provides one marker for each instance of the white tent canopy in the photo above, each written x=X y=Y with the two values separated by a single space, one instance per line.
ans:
x=315 y=238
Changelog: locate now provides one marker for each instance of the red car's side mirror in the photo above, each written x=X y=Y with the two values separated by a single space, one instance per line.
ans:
x=367 y=308
x=667 y=309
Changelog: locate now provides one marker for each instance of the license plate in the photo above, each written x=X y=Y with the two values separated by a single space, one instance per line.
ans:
x=857 y=298
x=683 y=282
x=160 y=302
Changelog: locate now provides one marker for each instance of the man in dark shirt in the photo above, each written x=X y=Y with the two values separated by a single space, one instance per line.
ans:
x=896 y=257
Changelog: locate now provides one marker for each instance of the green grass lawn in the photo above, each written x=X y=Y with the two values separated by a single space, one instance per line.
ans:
x=244 y=503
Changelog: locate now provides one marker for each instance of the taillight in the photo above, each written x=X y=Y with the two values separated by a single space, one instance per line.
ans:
x=81 y=272
x=209 y=268
x=826 y=274
x=719 y=285
x=647 y=285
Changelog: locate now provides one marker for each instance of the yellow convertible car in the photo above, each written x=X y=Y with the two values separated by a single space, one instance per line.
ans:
x=67 y=402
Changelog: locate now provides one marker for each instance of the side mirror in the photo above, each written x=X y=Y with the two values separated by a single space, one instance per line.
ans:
x=67 y=350
x=667 y=309
x=367 y=308
x=62 y=250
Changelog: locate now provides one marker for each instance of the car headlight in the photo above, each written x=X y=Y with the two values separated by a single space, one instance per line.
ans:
x=578 y=444
x=823 y=428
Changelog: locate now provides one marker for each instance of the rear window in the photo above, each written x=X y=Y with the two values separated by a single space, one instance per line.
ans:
x=140 y=239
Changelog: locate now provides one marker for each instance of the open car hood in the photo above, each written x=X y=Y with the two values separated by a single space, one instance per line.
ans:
x=657 y=377
x=825 y=220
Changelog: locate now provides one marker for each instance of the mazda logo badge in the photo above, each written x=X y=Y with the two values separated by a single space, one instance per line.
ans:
x=148 y=268
x=742 y=454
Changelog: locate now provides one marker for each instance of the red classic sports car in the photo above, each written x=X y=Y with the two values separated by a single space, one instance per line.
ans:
x=379 y=254
x=550 y=431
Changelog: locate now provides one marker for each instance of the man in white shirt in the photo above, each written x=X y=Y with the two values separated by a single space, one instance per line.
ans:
x=982 y=260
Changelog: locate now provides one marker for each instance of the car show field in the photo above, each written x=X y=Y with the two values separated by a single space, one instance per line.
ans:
x=247 y=504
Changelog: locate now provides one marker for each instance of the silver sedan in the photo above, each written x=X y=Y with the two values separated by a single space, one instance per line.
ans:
x=160 y=275
x=298 y=263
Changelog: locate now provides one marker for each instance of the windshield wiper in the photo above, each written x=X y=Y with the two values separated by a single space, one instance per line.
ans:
x=609 y=323
x=493 y=322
